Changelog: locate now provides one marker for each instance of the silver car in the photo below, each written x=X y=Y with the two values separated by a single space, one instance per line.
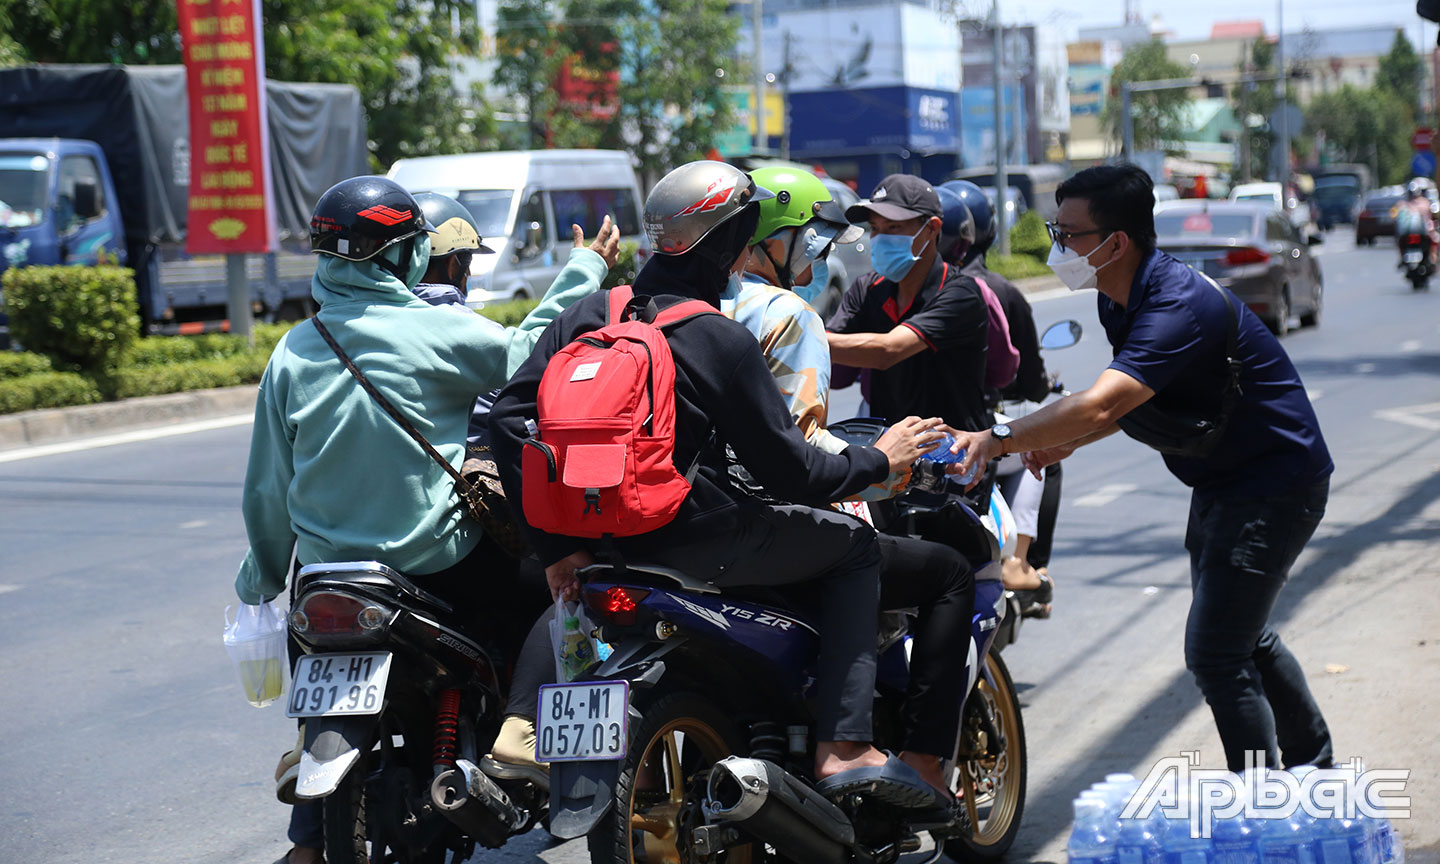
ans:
x=1253 y=250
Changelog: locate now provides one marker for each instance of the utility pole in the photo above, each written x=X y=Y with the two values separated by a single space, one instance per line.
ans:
x=1002 y=229
x=757 y=14
x=787 y=71
x=1281 y=88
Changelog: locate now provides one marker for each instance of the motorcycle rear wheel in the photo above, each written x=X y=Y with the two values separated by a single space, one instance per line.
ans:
x=656 y=796
x=352 y=838
x=992 y=782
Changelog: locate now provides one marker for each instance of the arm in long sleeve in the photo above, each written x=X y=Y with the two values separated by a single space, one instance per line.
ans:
x=581 y=277
x=264 y=571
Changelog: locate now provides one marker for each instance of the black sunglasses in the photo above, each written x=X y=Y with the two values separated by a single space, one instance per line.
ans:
x=1062 y=238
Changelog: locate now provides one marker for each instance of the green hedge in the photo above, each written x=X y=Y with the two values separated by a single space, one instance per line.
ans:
x=510 y=313
x=165 y=350
x=17 y=364
x=192 y=375
x=47 y=390
x=1029 y=237
x=1015 y=266
x=86 y=317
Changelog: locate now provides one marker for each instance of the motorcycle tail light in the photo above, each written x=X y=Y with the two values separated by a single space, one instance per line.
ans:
x=334 y=613
x=617 y=604
x=1246 y=255
x=1413 y=238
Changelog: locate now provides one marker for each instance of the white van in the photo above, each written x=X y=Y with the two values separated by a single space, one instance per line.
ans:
x=524 y=203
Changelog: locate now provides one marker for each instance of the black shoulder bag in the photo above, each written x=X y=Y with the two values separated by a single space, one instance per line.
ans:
x=483 y=497
x=1184 y=434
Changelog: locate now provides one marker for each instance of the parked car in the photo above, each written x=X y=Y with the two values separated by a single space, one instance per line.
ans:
x=525 y=202
x=846 y=262
x=1374 y=219
x=1252 y=250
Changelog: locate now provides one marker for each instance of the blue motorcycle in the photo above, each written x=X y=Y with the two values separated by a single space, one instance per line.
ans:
x=692 y=741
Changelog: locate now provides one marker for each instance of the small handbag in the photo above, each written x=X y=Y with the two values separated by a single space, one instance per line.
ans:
x=1182 y=433
x=483 y=497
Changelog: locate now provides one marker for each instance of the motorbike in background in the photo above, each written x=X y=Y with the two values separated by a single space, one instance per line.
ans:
x=1415 y=259
x=399 y=701
x=694 y=740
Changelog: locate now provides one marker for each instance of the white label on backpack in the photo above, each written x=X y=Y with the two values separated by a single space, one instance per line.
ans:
x=585 y=371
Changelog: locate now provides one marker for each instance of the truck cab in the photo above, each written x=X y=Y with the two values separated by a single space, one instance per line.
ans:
x=57 y=206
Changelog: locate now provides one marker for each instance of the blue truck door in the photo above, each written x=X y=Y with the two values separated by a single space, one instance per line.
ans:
x=84 y=237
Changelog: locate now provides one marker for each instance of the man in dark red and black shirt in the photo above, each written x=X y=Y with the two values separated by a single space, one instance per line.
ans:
x=917 y=323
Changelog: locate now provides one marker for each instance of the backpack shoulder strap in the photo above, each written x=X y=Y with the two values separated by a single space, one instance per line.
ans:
x=682 y=312
x=620 y=297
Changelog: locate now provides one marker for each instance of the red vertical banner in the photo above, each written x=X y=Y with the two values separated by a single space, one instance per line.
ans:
x=230 y=184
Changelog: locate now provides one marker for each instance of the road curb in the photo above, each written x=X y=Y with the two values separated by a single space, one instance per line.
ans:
x=1039 y=284
x=51 y=425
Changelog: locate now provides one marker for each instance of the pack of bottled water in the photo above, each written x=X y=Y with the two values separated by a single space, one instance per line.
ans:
x=1106 y=831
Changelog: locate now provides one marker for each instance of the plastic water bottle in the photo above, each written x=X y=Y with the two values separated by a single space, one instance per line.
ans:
x=1180 y=845
x=1285 y=837
x=1392 y=851
x=1236 y=840
x=1092 y=840
x=943 y=456
x=1138 y=840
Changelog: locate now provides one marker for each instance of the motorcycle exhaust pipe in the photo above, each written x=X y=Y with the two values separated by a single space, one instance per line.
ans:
x=466 y=796
x=768 y=804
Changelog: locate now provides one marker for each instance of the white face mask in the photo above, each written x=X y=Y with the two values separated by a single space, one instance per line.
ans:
x=1074 y=269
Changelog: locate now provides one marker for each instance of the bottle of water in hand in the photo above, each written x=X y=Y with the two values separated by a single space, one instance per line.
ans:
x=1092 y=840
x=942 y=455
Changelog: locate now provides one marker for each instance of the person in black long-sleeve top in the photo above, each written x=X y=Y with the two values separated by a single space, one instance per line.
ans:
x=700 y=219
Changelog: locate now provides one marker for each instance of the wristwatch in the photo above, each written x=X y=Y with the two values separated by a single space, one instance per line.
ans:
x=1001 y=432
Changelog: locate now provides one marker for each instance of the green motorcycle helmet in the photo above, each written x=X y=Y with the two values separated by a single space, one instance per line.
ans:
x=801 y=201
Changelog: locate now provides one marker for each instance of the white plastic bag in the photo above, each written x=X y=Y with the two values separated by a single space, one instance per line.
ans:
x=575 y=651
x=255 y=640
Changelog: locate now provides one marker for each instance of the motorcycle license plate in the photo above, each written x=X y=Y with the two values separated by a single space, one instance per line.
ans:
x=326 y=685
x=583 y=721
x=1412 y=257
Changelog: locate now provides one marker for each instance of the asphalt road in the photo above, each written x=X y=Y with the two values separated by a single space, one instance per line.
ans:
x=124 y=737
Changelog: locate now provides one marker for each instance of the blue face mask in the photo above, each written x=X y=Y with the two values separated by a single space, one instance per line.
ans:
x=819 y=278
x=890 y=254
x=732 y=287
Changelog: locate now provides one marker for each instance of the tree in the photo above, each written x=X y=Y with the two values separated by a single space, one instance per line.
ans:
x=530 y=54
x=1371 y=126
x=662 y=57
x=1400 y=72
x=1159 y=115
x=399 y=55
x=1256 y=99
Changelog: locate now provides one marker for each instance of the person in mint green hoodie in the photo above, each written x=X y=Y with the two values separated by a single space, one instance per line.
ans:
x=331 y=476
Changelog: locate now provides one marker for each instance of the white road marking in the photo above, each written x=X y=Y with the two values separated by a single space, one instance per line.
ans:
x=1105 y=495
x=1414 y=415
x=6 y=589
x=197 y=523
x=1314 y=394
x=1364 y=368
x=138 y=435
x=1056 y=294
x=1409 y=346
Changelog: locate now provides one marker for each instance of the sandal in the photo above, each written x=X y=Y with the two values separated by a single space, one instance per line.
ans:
x=893 y=783
x=1035 y=602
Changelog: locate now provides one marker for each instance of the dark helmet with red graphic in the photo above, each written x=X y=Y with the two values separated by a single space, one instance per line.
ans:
x=691 y=201
x=359 y=218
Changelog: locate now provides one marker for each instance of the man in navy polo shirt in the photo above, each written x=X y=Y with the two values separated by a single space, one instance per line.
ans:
x=915 y=321
x=1257 y=497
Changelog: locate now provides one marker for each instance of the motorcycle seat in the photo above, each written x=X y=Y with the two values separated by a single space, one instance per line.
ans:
x=372 y=575
x=682 y=580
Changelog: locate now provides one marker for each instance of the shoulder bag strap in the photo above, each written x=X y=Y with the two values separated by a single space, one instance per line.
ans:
x=1232 y=338
x=461 y=482
x=620 y=297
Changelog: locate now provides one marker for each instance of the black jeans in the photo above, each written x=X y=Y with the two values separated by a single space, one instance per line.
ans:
x=1241 y=552
x=835 y=556
x=939 y=582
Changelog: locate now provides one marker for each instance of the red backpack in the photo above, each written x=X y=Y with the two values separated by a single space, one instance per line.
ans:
x=603 y=462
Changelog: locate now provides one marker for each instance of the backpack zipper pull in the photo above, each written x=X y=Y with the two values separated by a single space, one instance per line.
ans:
x=592 y=499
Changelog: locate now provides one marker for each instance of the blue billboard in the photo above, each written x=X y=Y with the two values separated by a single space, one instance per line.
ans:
x=877 y=120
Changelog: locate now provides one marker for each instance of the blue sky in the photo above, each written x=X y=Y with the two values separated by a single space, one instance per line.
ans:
x=1192 y=20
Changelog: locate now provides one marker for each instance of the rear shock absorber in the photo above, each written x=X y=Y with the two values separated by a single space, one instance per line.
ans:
x=447 y=729
x=768 y=741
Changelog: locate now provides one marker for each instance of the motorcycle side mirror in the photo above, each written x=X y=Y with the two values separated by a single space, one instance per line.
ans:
x=1061 y=334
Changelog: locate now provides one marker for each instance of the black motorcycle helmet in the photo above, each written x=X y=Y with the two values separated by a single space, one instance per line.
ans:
x=980 y=211
x=359 y=218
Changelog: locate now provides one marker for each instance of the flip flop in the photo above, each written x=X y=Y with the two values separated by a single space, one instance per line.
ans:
x=1035 y=602
x=892 y=783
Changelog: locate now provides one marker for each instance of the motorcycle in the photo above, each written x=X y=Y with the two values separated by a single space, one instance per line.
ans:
x=693 y=741
x=1415 y=259
x=399 y=701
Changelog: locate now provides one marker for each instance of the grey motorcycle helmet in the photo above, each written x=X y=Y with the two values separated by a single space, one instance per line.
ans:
x=691 y=201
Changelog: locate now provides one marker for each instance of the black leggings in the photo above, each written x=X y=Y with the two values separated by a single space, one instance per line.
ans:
x=938 y=581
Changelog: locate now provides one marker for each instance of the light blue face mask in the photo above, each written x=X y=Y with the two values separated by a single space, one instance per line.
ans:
x=819 y=278
x=732 y=287
x=890 y=254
